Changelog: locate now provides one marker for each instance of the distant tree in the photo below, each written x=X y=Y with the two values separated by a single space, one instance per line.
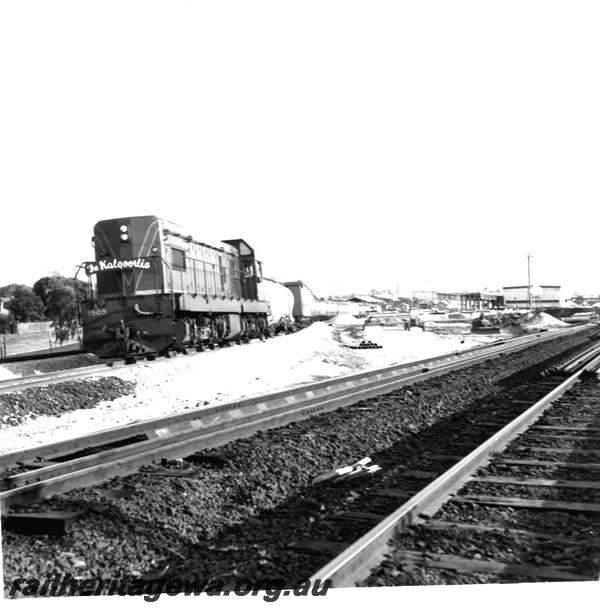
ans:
x=42 y=286
x=25 y=305
x=60 y=296
x=8 y=290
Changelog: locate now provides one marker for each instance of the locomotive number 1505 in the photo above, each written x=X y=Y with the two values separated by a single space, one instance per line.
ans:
x=97 y=312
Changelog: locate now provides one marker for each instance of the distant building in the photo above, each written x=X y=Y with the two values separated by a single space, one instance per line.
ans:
x=367 y=304
x=475 y=300
x=518 y=296
x=461 y=300
x=424 y=296
x=582 y=300
x=445 y=304
x=391 y=301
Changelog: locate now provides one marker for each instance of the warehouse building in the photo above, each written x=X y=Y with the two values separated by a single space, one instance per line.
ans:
x=542 y=296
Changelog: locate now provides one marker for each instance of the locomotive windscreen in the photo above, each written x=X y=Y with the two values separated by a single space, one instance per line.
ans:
x=124 y=276
x=128 y=256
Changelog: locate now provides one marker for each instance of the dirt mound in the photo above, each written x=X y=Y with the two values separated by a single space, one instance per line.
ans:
x=346 y=320
x=540 y=321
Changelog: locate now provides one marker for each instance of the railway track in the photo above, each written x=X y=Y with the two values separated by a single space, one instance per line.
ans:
x=522 y=506
x=63 y=351
x=58 y=356
x=58 y=467
x=259 y=516
x=39 y=380
x=19 y=383
x=106 y=366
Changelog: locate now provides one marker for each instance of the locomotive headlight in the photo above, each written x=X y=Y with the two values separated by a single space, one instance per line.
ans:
x=124 y=237
x=124 y=229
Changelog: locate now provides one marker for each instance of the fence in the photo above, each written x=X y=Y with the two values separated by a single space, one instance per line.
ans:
x=33 y=327
x=45 y=341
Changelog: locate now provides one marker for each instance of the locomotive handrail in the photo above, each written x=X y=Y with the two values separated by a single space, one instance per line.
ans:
x=136 y=308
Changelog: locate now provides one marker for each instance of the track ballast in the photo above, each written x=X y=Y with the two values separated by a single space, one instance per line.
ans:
x=250 y=509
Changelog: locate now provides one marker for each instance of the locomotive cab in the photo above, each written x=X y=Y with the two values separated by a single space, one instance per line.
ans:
x=248 y=266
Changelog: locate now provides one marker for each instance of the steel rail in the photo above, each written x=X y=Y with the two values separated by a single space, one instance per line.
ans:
x=209 y=428
x=355 y=563
x=42 y=355
x=581 y=359
x=289 y=406
x=19 y=383
x=593 y=367
x=236 y=409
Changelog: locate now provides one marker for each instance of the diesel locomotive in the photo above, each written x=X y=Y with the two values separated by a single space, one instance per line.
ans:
x=153 y=289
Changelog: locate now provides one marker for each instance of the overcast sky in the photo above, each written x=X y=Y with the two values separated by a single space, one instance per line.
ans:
x=356 y=145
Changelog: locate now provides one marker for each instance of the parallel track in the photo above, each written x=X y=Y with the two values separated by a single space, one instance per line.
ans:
x=566 y=421
x=19 y=383
x=63 y=351
x=181 y=434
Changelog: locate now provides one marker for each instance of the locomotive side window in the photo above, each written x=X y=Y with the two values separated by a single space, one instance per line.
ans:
x=177 y=259
x=222 y=274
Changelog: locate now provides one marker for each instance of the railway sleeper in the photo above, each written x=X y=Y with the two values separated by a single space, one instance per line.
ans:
x=517 y=534
x=49 y=522
x=531 y=504
x=413 y=558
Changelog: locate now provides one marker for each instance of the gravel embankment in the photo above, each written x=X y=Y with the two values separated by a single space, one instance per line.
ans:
x=165 y=386
x=237 y=519
x=59 y=398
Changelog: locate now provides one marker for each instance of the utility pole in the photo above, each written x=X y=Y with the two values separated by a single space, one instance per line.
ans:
x=529 y=279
